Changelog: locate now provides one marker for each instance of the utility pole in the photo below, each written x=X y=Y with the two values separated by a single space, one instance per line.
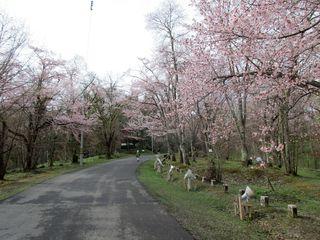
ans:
x=152 y=143
x=87 y=56
x=81 y=148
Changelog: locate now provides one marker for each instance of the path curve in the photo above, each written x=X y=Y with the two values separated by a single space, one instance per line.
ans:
x=102 y=202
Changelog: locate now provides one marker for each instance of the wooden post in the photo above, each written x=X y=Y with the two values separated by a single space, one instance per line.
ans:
x=241 y=209
x=203 y=179
x=212 y=183
x=235 y=204
x=225 y=187
x=264 y=201
x=248 y=210
x=292 y=210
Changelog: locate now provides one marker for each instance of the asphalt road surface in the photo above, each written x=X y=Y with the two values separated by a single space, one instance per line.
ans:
x=102 y=202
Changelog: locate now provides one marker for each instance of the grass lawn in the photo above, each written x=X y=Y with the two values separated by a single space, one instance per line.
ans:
x=207 y=212
x=17 y=181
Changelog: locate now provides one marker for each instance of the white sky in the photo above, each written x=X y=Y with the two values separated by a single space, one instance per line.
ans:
x=118 y=35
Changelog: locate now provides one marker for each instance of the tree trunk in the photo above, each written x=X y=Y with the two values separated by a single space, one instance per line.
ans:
x=108 y=145
x=2 y=168
x=242 y=105
x=206 y=142
x=182 y=148
x=109 y=151
x=50 y=160
x=75 y=159
x=30 y=163
x=52 y=150
x=192 y=151
x=170 y=148
x=239 y=115
x=3 y=137
x=286 y=156
x=29 y=156
x=2 y=164
x=244 y=149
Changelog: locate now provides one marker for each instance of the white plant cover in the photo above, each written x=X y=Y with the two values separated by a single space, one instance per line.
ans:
x=189 y=175
x=247 y=194
x=159 y=161
x=171 y=169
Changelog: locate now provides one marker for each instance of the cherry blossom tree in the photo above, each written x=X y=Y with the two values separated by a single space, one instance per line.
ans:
x=150 y=105
x=12 y=41
x=74 y=115
x=51 y=97
x=37 y=102
x=107 y=104
x=167 y=23
x=263 y=48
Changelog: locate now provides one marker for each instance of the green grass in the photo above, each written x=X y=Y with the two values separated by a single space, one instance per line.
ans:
x=207 y=211
x=18 y=181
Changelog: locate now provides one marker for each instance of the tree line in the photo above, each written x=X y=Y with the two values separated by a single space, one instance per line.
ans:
x=242 y=79
x=45 y=102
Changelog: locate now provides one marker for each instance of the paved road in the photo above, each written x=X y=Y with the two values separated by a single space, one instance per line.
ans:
x=102 y=202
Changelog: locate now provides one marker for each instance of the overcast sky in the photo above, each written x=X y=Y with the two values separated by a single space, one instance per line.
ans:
x=118 y=35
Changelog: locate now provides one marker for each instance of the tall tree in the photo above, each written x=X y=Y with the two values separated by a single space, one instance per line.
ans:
x=274 y=46
x=37 y=104
x=167 y=22
x=107 y=104
x=12 y=40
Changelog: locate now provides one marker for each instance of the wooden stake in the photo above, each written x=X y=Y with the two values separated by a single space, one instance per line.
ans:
x=248 y=210
x=292 y=210
x=264 y=201
x=241 y=210
x=226 y=188
x=236 y=207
